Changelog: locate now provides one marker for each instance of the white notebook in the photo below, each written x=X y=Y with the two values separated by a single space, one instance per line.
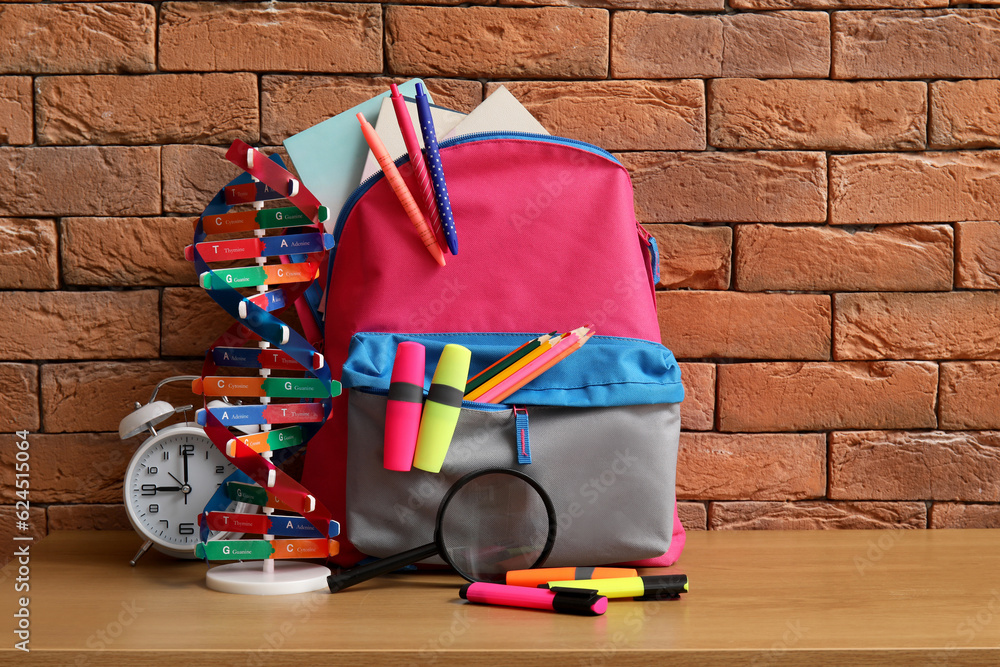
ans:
x=388 y=130
x=498 y=112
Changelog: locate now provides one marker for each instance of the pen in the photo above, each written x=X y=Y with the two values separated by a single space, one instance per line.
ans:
x=402 y=192
x=437 y=174
x=663 y=587
x=565 y=601
x=416 y=158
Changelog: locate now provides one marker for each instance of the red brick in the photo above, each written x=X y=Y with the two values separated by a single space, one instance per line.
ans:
x=745 y=326
x=899 y=465
x=618 y=115
x=823 y=115
x=82 y=467
x=155 y=109
x=787 y=396
x=79 y=325
x=293 y=103
x=693 y=516
x=914 y=187
x=77 y=38
x=19 y=410
x=970 y=395
x=88 y=517
x=29 y=248
x=916 y=44
x=191 y=322
x=890 y=258
x=693 y=257
x=958 y=515
x=16 y=122
x=964 y=114
x=127 y=251
x=762 y=186
x=953 y=325
x=192 y=175
x=675 y=46
x=751 y=466
x=80 y=180
x=698 y=406
x=835 y=4
x=816 y=515
x=498 y=42
x=68 y=392
x=977 y=253
x=270 y=36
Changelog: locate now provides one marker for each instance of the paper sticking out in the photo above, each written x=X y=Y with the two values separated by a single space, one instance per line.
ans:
x=499 y=112
x=330 y=156
x=388 y=130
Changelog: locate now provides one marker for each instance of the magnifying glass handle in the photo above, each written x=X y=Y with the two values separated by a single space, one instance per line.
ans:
x=342 y=580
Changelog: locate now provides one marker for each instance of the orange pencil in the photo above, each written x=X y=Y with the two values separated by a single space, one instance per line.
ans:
x=420 y=222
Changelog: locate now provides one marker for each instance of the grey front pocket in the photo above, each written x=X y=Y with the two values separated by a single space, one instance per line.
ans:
x=609 y=471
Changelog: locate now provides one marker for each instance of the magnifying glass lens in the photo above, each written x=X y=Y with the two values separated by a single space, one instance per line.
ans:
x=492 y=524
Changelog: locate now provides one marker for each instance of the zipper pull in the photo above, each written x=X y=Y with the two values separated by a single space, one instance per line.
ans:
x=653 y=250
x=521 y=435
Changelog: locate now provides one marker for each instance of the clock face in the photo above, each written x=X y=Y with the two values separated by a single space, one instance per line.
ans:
x=169 y=481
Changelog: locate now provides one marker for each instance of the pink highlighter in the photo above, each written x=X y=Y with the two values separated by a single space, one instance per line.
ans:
x=580 y=602
x=402 y=410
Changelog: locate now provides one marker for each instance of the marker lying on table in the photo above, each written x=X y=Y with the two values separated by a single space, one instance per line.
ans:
x=663 y=587
x=563 y=600
x=542 y=575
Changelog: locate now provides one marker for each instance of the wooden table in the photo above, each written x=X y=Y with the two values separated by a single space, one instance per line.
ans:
x=757 y=598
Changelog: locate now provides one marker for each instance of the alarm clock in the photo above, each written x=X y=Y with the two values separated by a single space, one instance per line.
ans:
x=172 y=477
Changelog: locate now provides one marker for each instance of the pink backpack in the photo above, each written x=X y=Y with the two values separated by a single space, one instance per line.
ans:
x=547 y=241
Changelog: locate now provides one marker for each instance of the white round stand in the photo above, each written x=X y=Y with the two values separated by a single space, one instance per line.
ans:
x=247 y=578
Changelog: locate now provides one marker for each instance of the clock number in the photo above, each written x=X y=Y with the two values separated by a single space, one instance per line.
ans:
x=152 y=470
x=151 y=488
x=166 y=456
x=166 y=524
x=186 y=529
x=186 y=450
x=220 y=470
x=154 y=508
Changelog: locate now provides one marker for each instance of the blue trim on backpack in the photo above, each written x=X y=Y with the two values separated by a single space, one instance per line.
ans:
x=606 y=371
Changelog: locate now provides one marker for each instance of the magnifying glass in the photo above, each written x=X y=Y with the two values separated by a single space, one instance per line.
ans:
x=489 y=522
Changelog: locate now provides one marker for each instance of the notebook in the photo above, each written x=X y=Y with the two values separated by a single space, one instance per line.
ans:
x=330 y=156
x=500 y=111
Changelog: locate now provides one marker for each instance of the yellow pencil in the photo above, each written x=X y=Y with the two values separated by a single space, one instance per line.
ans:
x=547 y=342
x=584 y=335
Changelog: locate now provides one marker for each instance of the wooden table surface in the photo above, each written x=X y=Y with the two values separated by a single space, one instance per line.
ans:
x=757 y=598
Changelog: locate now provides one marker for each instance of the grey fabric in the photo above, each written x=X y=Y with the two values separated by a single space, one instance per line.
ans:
x=609 y=471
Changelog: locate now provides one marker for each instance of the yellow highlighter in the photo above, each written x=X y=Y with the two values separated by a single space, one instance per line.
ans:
x=442 y=408
x=663 y=587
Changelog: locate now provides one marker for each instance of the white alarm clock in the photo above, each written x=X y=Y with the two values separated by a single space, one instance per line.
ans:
x=171 y=477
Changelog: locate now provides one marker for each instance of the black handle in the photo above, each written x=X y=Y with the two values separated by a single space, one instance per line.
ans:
x=342 y=580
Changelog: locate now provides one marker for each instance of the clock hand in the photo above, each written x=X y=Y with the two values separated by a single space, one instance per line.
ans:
x=184 y=487
x=168 y=488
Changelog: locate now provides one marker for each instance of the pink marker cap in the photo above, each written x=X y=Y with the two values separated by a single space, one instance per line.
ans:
x=404 y=407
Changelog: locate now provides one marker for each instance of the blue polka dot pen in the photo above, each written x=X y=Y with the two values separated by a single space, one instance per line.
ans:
x=434 y=165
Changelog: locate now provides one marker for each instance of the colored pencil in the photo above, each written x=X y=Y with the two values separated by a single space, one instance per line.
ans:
x=566 y=346
x=501 y=364
x=545 y=344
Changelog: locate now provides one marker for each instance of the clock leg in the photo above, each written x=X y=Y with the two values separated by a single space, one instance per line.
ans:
x=143 y=549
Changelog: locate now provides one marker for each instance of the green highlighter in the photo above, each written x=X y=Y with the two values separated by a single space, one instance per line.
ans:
x=441 y=408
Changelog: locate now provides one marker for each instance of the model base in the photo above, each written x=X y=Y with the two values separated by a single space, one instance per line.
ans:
x=249 y=578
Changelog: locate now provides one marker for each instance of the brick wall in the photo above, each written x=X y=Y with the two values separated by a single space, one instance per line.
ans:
x=818 y=173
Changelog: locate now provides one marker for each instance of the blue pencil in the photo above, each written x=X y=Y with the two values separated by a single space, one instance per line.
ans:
x=437 y=175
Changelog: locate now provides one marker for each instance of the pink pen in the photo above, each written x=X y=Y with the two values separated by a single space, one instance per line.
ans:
x=416 y=158
x=581 y=602
x=402 y=410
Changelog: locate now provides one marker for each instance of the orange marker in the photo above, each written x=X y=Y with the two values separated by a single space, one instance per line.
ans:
x=413 y=211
